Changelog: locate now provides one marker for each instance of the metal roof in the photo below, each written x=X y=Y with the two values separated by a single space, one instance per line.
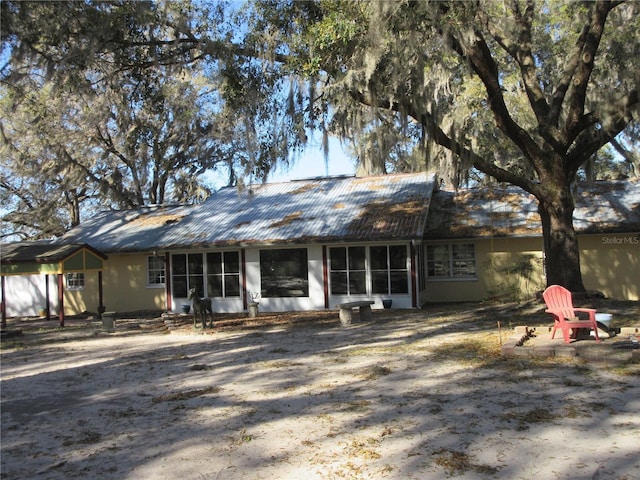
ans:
x=140 y=229
x=40 y=252
x=341 y=209
x=601 y=207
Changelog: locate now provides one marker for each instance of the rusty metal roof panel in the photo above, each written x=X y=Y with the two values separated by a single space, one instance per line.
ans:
x=602 y=207
x=384 y=207
x=140 y=229
x=318 y=210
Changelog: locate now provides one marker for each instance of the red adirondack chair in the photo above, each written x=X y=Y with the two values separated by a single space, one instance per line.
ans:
x=560 y=305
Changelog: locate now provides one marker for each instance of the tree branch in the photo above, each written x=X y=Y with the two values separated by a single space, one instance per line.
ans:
x=446 y=141
x=584 y=68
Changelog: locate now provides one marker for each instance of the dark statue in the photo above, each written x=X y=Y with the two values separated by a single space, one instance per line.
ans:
x=201 y=306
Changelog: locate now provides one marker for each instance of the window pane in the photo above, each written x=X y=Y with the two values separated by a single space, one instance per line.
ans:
x=399 y=282
x=378 y=257
x=464 y=264
x=338 y=258
x=179 y=264
x=197 y=282
x=231 y=262
x=379 y=282
x=180 y=287
x=357 y=258
x=214 y=263
x=357 y=282
x=438 y=260
x=284 y=273
x=398 y=257
x=214 y=286
x=339 y=283
x=232 y=285
x=195 y=263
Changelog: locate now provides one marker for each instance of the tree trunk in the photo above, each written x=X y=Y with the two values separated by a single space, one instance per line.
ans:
x=562 y=255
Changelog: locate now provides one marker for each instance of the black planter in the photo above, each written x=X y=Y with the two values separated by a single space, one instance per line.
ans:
x=387 y=303
x=186 y=308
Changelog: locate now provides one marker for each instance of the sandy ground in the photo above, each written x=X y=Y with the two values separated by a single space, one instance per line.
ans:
x=399 y=398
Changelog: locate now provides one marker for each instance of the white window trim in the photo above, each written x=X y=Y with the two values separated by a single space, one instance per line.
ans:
x=79 y=276
x=156 y=285
x=450 y=277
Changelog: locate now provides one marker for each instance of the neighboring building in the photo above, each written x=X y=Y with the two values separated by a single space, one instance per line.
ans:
x=310 y=244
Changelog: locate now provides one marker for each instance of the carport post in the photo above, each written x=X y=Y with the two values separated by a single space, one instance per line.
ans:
x=47 y=295
x=4 y=305
x=61 y=298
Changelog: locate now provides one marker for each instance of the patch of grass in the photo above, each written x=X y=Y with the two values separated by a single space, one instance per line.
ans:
x=456 y=463
x=374 y=372
x=356 y=406
x=86 y=437
x=478 y=348
x=536 y=415
x=280 y=364
x=245 y=437
x=279 y=350
x=186 y=395
x=364 y=448
x=627 y=369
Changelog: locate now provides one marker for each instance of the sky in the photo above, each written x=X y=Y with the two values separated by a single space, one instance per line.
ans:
x=307 y=165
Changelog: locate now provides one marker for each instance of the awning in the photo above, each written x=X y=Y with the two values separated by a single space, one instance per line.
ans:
x=46 y=258
x=32 y=258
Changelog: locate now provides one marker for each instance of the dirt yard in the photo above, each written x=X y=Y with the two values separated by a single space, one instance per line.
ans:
x=422 y=394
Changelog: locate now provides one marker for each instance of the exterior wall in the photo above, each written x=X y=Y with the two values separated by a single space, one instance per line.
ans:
x=611 y=264
x=82 y=300
x=26 y=294
x=315 y=300
x=512 y=269
x=125 y=285
x=508 y=269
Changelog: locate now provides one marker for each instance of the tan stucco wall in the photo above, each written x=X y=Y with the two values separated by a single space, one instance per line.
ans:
x=84 y=300
x=125 y=285
x=509 y=269
x=611 y=263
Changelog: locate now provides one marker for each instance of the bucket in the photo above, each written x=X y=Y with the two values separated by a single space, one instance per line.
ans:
x=604 y=319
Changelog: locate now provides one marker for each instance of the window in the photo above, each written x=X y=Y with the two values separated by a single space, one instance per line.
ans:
x=451 y=261
x=223 y=274
x=348 y=270
x=212 y=274
x=284 y=273
x=155 y=271
x=187 y=272
x=387 y=268
x=389 y=273
x=75 y=281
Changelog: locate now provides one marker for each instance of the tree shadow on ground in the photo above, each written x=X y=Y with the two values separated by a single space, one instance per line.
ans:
x=421 y=394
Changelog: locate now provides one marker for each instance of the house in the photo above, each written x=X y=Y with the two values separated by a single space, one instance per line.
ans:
x=311 y=244
x=498 y=228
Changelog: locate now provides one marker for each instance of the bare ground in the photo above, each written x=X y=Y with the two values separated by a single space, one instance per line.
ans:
x=411 y=394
